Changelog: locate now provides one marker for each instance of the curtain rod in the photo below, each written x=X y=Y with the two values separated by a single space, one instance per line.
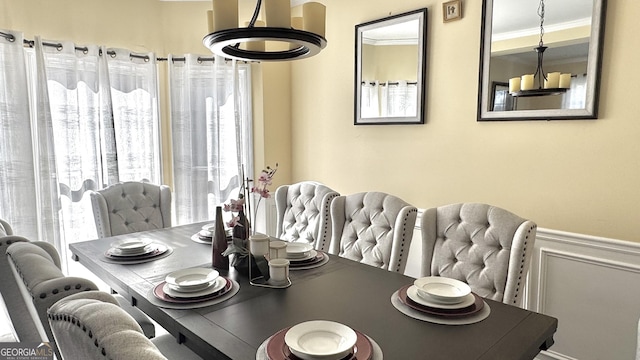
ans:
x=59 y=47
x=391 y=83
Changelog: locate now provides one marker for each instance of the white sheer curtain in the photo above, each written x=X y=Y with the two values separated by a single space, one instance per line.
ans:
x=576 y=97
x=399 y=98
x=25 y=200
x=134 y=96
x=369 y=104
x=74 y=141
x=211 y=133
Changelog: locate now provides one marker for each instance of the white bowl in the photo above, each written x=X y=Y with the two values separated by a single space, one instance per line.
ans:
x=298 y=250
x=191 y=278
x=320 y=340
x=130 y=244
x=442 y=289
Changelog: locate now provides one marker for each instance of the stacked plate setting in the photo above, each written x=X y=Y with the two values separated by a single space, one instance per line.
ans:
x=302 y=254
x=135 y=249
x=319 y=340
x=205 y=235
x=442 y=290
x=441 y=296
x=192 y=285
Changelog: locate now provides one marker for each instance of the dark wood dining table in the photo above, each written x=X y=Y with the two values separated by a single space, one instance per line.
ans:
x=342 y=290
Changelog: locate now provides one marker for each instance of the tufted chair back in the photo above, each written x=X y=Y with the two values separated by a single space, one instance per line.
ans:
x=303 y=213
x=36 y=268
x=5 y=228
x=91 y=326
x=23 y=324
x=487 y=247
x=131 y=206
x=373 y=228
x=638 y=343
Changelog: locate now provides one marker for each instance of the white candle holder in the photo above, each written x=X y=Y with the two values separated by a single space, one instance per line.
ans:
x=258 y=248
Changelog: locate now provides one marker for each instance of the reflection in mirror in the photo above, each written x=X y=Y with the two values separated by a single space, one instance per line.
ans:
x=523 y=40
x=390 y=70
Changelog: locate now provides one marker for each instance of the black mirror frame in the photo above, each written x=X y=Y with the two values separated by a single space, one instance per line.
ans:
x=594 y=70
x=420 y=14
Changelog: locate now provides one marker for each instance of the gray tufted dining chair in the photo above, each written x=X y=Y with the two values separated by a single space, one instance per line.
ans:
x=41 y=283
x=303 y=213
x=131 y=206
x=373 y=228
x=487 y=247
x=5 y=228
x=23 y=324
x=638 y=343
x=91 y=326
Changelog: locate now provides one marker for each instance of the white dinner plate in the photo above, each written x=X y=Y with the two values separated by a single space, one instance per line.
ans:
x=320 y=339
x=217 y=285
x=298 y=250
x=442 y=289
x=131 y=245
x=189 y=289
x=412 y=293
x=312 y=254
x=138 y=252
x=194 y=277
x=210 y=226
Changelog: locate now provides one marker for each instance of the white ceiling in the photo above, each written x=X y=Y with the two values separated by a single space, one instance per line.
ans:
x=522 y=15
x=516 y=18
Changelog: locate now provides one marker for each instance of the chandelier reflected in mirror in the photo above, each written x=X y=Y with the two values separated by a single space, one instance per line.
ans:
x=553 y=83
x=279 y=38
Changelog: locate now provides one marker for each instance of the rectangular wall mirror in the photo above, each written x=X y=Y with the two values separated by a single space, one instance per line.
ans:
x=390 y=70
x=571 y=48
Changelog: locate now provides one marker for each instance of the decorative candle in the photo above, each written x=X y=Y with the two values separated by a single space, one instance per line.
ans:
x=314 y=15
x=225 y=14
x=254 y=45
x=553 y=80
x=210 y=21
x=514 y=84
x=296 y=22
x=565 y=81
x=277 y=250
x=279 y=271
x=278 y=13
x=259 y=244
x=526 y=82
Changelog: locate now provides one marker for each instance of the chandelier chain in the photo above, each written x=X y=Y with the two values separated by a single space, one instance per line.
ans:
x=541 y=14
x=256 y=12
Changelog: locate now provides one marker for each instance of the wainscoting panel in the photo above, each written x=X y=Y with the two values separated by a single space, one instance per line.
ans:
x=592 y=286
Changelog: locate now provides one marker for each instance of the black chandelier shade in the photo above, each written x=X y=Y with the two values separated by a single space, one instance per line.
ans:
x=227 y=43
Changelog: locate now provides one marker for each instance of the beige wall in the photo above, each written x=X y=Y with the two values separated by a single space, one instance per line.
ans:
x=389 y=62
x=580 y=176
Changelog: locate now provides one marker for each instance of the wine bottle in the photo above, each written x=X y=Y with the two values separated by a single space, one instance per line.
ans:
x=219 y=243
